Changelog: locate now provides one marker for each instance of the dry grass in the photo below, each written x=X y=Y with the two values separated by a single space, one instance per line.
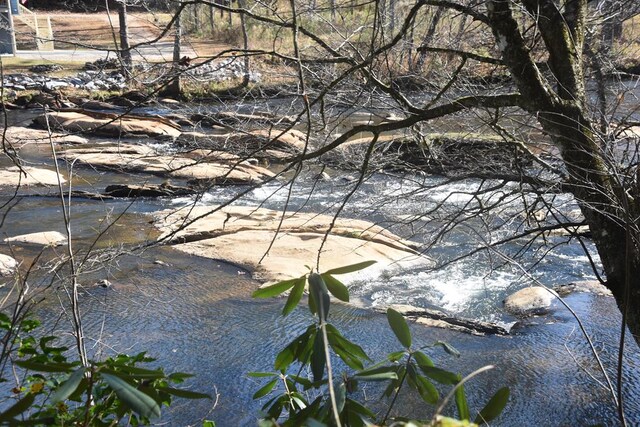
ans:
x=20 y=65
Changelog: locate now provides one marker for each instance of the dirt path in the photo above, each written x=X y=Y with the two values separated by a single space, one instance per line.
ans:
x=87 y=37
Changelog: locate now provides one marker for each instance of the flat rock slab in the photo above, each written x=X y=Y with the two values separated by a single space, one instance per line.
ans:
x=243 y=235
x=8 y=265
x=44 y=238
x=27 y=175
x=116 y=126
x=529 y=301
x=19 y=136
x=141 y=159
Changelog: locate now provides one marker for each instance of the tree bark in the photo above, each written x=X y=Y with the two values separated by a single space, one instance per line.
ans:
x=212 y=18
x=174 y=88
x=125 y=52
x=562 y=112
x=245 y=42
x=428 y=37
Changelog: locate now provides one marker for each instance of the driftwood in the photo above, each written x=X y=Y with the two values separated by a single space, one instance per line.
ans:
x=475 y=327
x=147 y=190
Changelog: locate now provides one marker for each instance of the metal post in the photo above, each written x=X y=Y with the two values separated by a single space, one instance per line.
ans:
x=7 y=35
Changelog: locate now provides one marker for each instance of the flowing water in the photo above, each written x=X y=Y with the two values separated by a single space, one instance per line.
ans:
x=196 y=315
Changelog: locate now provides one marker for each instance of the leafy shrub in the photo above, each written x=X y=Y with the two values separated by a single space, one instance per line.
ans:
x=321 y=398
x=57 y=391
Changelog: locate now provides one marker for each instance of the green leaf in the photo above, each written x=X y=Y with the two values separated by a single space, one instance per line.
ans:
x=178 y=377
x=262 y=374
x=46 y=366
x=341 y=396
x=294 y=295
x=448 y=348
x=422 y=359
x=352 y=354
x=67 y=388
x=350 y=268
x=208 y=423
x=494 y=407
x=266 y=389
x=399 y=327
x=356 y=407
x=18 y=408
x=377 y=373
x=318 y=359
x=440 y=375
x=377 y=376
x=336 y=287
x=186 y=394
x=305 y=382
x=133 y=372
x=428 y=391
x=396 y=355
x=139 y=402
x=318 y=289
x=275 y=289
x=461 y=403
x=298 y=349
x=313 y=305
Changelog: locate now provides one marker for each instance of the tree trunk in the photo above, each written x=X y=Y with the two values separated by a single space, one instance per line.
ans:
x=245 y=42
x=212 y=19
x=392 y=17
x=196 y=18
x=125 y=52
x=593 y=179
x=174 y=88
x=428 y=37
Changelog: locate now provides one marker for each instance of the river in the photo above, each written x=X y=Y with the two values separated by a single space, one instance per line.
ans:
x=196 y=315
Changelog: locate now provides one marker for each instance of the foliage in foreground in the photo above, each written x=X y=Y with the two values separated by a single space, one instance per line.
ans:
x=320 y=398
x=56 y=391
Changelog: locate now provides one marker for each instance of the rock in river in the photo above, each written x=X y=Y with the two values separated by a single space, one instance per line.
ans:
x=242 y=236
x=19 y=136
x=8 y=265
x=142 y=159
x=529 y=301
x=27 y=175
x=113 y=125
x=44 y=238
x=587 y=286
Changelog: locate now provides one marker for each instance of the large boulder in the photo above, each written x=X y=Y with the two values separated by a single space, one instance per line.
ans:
x=8 y=265
x=112 y=125
x=27 y=175
x=142 y=159
x=529 y=301
x=257 y=240
x=43 y=238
